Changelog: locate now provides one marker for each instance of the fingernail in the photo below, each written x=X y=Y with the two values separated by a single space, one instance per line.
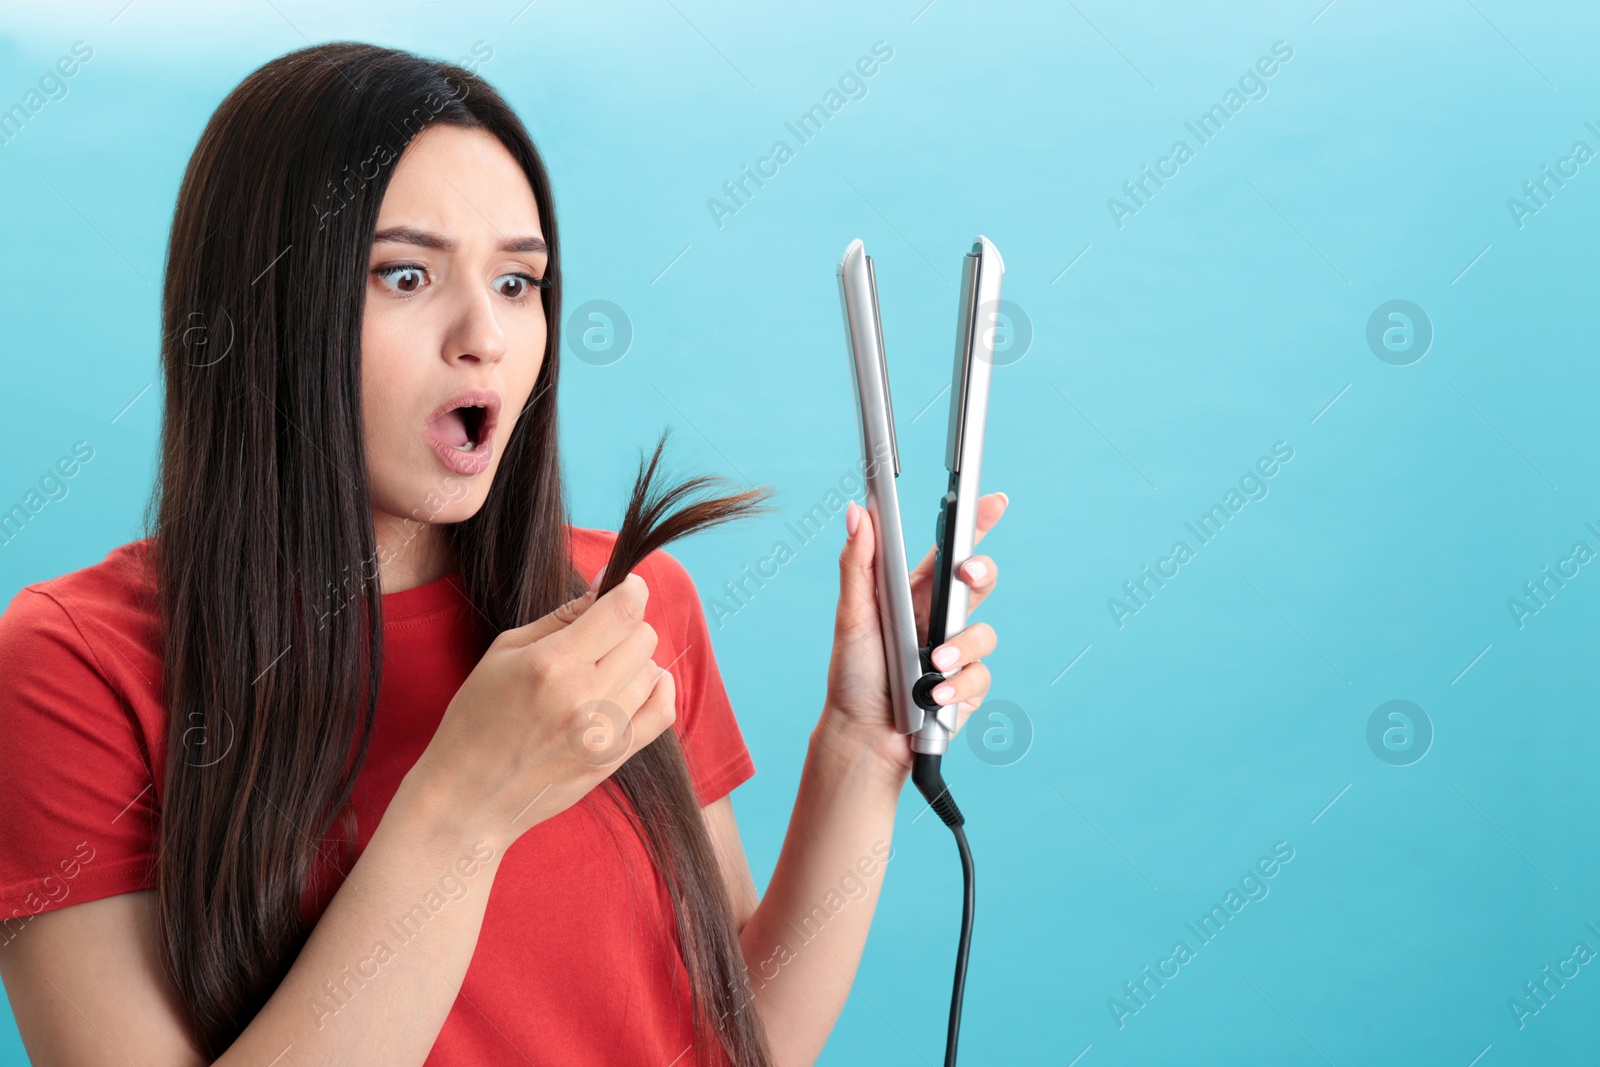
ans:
x=1005 y=499
x=977 y=570
x=944 y=656
x=943 y=693
x=852 y=518
x=595 y=582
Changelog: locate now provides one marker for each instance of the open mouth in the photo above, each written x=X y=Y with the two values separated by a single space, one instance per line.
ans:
x=461 y=430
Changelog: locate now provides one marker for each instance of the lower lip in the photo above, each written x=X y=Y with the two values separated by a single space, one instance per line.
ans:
x=468 y=463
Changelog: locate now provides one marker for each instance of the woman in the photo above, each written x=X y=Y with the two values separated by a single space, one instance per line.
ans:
x=262 y=768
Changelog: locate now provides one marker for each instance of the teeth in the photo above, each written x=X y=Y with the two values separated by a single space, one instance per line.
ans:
x=468 y=447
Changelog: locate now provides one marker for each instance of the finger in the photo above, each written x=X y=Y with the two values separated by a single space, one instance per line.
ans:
x=990 y=508
x=607 y=621
x=628 y=661
x=607 y=734
x=633 y=693
x=979 y=572
x=542 y=627
x=858 y=605
x=970 y=683
x=973 y=643
x=630 y=655
x=658 y=712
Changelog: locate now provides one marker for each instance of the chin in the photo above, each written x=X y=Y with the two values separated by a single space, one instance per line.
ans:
x=457 y=512
x=441 y=498
x=431 y=506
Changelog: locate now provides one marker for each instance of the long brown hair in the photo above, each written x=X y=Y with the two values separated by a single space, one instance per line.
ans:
x=265 y=550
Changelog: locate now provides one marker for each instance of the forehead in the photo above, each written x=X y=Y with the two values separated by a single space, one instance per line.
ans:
x=461 y=183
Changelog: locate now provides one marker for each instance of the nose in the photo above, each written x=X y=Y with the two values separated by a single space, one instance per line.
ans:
x=476 y=335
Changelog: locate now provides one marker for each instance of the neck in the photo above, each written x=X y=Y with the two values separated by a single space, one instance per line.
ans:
x=410 y=553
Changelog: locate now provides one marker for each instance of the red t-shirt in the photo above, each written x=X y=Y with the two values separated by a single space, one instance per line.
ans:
x=578 y=959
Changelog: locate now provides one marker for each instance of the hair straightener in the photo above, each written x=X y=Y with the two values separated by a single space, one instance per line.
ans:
x=912 y=675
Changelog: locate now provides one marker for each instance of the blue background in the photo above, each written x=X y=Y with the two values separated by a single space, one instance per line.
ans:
x=1229 y=313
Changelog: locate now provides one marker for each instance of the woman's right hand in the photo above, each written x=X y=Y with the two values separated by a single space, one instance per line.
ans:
x=549 y=712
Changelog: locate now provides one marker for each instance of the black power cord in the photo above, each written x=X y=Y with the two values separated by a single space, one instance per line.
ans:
x=930 y=783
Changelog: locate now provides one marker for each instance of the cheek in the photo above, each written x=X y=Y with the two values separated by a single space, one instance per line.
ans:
x=531 y=347
x=378 y=399
x=388 y=396
x=527 y=349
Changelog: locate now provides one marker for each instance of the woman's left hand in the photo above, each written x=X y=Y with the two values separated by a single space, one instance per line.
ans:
x=858 y=704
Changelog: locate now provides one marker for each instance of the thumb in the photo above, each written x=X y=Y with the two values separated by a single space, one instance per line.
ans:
x=559 y=619
x=858 y=605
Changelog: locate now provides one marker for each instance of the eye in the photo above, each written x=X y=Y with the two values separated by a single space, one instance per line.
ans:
x=402 y=277
x=518 y=286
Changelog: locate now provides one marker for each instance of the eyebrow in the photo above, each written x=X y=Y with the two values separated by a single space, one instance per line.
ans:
x=406 y=235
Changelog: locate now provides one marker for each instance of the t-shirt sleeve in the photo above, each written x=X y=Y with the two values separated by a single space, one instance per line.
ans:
x=77 y=805
x=714 y=748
